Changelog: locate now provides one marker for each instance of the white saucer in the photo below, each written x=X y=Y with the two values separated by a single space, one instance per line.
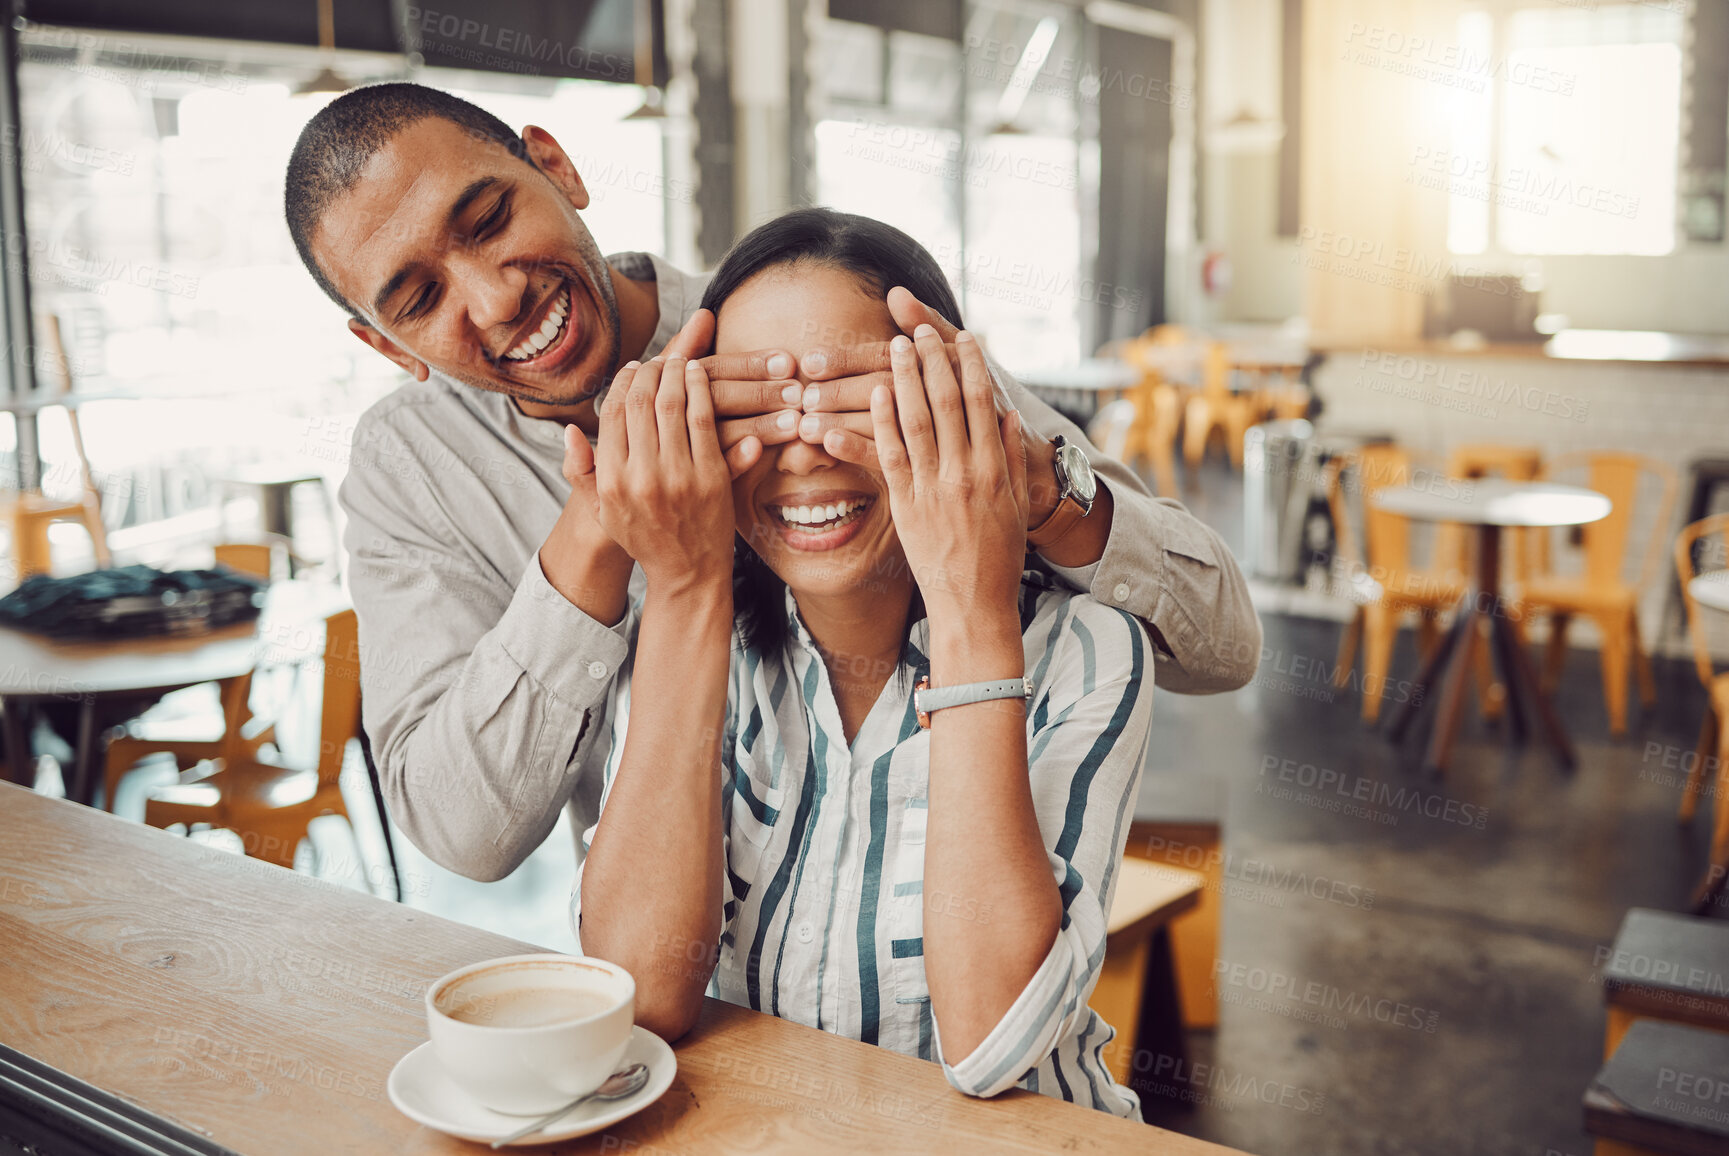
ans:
x=422 y=1091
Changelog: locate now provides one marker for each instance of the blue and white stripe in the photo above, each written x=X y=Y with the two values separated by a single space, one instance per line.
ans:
x=824 y=904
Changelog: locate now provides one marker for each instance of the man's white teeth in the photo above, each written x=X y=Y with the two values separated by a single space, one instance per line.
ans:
x=548 y=331
x=821 y=515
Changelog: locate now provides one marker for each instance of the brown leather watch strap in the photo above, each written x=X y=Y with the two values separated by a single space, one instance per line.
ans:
x=1061 y=521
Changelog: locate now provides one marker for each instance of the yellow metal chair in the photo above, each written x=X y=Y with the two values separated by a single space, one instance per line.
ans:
x=1216 y=410
x=1158 y=411
x=1713 y=733
x=31 y=512
x=271 y=807
x=146 y=737
x=1397 y=586
x=1601 y=592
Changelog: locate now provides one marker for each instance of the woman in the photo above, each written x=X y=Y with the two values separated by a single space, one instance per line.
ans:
x=782 y=824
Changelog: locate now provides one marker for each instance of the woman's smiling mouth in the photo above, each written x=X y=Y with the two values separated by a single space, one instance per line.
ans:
x=820 y=524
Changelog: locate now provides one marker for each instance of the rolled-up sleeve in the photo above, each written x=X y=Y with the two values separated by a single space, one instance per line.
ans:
x=1164 y=566
x=1088 y=729
x=477 y=693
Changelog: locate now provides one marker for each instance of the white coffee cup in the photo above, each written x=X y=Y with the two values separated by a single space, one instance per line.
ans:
x=525 y=1034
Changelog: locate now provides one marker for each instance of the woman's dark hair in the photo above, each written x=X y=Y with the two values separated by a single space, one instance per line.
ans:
x=881 y=257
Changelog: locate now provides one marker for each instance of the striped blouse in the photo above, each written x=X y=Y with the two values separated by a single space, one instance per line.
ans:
x=824 y=903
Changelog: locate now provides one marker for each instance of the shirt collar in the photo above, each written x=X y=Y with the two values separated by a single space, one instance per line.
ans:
x=918 y=640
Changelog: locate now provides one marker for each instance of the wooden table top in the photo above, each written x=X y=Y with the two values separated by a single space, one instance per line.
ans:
x=265 y=1010
x=33 y=665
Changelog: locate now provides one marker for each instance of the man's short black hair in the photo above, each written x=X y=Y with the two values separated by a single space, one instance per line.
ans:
x=336 y=144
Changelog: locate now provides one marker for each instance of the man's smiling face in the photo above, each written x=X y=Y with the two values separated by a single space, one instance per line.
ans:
x=469 y=261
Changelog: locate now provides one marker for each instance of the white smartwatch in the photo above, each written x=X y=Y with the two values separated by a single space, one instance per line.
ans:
x=927 y=699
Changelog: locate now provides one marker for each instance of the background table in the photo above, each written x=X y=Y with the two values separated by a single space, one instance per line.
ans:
x=1075 y=390
x=109 y=681
x=1711 y=590
x=1487 y=506
x=265 y=1009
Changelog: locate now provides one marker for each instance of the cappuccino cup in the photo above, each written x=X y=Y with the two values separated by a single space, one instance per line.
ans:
x=527 y=1034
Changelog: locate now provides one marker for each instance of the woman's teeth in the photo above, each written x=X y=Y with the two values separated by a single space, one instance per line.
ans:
x=827 y=517
x=548 y=331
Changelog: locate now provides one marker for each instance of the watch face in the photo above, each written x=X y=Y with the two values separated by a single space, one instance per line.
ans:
x=1079 y=473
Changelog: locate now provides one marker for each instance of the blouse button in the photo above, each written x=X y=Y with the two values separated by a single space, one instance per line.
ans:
x=1121 y=593
x=597 y=670
x=805 y=935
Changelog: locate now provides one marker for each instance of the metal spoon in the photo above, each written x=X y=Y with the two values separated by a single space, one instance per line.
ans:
x=624 y=1082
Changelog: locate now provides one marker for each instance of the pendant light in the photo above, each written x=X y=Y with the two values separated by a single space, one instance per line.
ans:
x=642 y=24
x=328 y=82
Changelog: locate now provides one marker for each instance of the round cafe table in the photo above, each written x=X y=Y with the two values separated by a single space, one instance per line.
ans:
x=1711 y=590
x=1075 y=390
x=112 y=680
x=1487 y=506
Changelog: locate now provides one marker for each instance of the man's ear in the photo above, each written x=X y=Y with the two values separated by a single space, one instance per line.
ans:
x=415 y=367
x=551 y=160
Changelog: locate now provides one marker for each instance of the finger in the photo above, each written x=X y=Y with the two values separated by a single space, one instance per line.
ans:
x=910 y=313
x=700 y=420
x=669 y=417
x=944 y=392
x=845 y=393
x=771 y=429
x=981 y=404
x=642 y=437
x=741 y=457
x=892 y=456
x=614 y=449
x=909 y=405
x=844 y=445
x=827 y=362
x=760 y=365
x=745 y=398
x=578 y=454
x=814 y=427
x=694 y=339
x=1015 y=447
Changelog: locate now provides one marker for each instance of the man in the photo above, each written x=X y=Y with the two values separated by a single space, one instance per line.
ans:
x=484 y=590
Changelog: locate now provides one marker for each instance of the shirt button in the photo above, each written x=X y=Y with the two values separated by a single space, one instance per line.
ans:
x=597 y=670
x=805 y=935
x=1121 y=593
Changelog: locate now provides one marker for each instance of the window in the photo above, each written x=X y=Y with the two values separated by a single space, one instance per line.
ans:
x=1574 y=146
x=154 y=202
x=985 y=176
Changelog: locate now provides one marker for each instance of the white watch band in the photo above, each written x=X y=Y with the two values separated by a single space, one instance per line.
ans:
x=928 y=699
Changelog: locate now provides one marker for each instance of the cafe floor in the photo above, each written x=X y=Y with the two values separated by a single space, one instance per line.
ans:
x=1444 y=965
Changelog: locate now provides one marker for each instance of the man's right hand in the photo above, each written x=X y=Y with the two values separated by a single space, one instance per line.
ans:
x=756 y=397
x=578 y=558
